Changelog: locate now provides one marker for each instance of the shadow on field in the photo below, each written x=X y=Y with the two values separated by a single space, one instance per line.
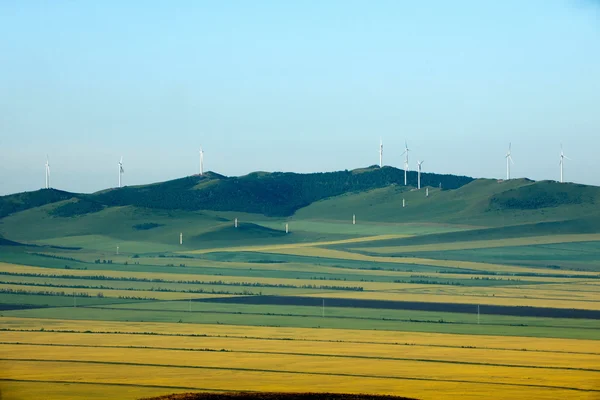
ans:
x=275 y=396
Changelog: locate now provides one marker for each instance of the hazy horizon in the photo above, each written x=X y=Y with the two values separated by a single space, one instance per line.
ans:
x=310 y=87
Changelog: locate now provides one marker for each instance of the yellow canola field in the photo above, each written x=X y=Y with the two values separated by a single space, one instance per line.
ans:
x=345 y=349
x=202 y=379
x=344 y=335
x=483 y=244
x=77 y=391
x=311 y=365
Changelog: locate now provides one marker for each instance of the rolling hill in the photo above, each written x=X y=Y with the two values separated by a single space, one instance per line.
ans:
x=319 y=207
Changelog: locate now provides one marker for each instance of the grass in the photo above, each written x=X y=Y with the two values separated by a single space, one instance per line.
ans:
x=468 y=205
x=469 y=266
x=359 y=314
x=296 y=245
x=486 y=244
x=58 y=301
x=572 y=256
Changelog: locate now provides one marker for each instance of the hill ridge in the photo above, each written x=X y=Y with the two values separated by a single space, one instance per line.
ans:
x=268 y=193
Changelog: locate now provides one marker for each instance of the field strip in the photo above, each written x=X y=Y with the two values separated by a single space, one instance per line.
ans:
x=479 y=374
x=320 y=271
x=464 y=298
x=294 y=245
x=483 y=244
x=108 y=293
x=16 y=269
x=585 y=298
x=163 y=378
x=469 y=265
x=209 y=288
x=119 y=384
x=304 y=334
x=460 y=356
x=199 y=342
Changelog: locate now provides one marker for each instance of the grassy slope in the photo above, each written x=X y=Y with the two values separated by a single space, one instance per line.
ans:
x=498 y=210
x=472 y=204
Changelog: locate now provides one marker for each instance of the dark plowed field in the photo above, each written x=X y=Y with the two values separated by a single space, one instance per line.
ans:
x=275 y=396
x=517 y=311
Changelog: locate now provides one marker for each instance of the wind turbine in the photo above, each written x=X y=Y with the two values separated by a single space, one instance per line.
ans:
x=201 y=161
x=121 y=170
x=509 y=160
x=405 y=154
x=380 y=153
x=562 y=162
x=47 y=173
x=419 y=163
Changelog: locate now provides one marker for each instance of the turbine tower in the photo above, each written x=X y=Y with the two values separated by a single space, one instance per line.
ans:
x=47 y=173
x=121 y=170
x=380 y=153
x=509 y=160
x=201 y=161
x=419 y=163
x=405 y=154
x=562 y=162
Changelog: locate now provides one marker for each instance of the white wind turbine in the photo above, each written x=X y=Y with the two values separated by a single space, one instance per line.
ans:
x=380 y=153
x=419 y=163
x=47 y=173
x=509 y=160
x=201 y=161
x=405 y=154
x=121 y=170
x=562 y=162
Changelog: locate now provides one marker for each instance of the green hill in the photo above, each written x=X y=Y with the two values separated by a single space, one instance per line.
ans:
x=483 y=202
x=275 y=194
x=23 y=201
x=318 y=207
x=272 y=194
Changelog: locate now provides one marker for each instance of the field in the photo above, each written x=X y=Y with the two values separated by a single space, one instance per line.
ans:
x=394 y=304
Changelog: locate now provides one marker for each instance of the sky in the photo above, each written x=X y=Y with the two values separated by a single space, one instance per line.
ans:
x=305 y=86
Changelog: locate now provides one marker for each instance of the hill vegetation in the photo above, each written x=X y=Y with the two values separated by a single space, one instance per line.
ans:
x=275 y=194
x=544 y=194
x=23 y=201
x=374 y=194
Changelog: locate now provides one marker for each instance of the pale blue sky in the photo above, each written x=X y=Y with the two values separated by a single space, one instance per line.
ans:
x=295 y=86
